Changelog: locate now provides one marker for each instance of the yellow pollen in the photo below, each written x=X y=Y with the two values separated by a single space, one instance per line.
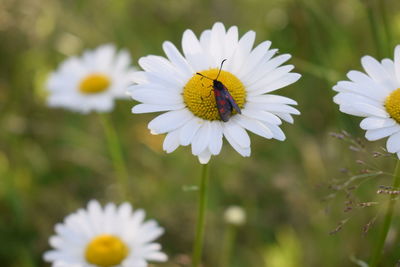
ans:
x=94 y=83
x=106 y=251
x=199 y=96
x=392 y=105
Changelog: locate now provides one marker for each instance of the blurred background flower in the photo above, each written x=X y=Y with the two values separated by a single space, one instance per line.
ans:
x=52 y=160
x=103 y=237
x=92 y=81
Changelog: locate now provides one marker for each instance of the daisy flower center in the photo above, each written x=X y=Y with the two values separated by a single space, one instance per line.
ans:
x=392 y=105
x=199 y=97
x=106 y=251
x=94 y=83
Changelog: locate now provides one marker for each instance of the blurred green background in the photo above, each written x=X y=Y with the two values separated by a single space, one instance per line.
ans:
x=295 y=193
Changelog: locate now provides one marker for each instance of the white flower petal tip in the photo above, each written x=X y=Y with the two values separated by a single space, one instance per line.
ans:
x=204 y=159
x=171 y=85
x=91 y=82
x=78 y=240
x=374 y=95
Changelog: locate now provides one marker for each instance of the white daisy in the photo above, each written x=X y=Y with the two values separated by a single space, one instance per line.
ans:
x=374 y=95
x=91 y=82
x=113 y=236
x=191 y=116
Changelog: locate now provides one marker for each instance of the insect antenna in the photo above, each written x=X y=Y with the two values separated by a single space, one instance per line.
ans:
x=198 y=73
x=220 y=68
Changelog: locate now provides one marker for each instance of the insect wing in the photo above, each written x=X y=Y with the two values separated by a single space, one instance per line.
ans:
x=223 y=104
x=233 y=102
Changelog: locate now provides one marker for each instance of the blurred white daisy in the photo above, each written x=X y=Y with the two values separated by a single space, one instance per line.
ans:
x=105 y=237
x=91 y=82
x=191 y=117
x=374 y=95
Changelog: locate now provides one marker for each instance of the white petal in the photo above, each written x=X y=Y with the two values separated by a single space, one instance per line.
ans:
x=149 y=96
x=160 y=79
x=169 y=121
x=255 y=58
x=377 y=72
x=177 y=59
x=350 y=109
x=284 y=116
x=259 y=70
x=171 y=141
x=157 y=256
x=369 y=90
x=231 y=41
x=284 y=81
x=188 y=131
x=139 y=77
x=237 y=133
x=253 y=125
x=276 y=130
x=122 y=61
x=146 y=108
x=241 y=53
x=205 y=40
x=193 y=51
x=204 y=157
x=271 y=99
x=217 y=42
x=268 y=66
x=262 y=115
x=351 y=98
x=244 y=151
x=388 y=64
x=393 y=143
x=397 y=62
x=201 y=139
x=377 y=134
x=372 y=110
x=371 y=123
x=282 y=108
x=162 y=66
x=215 y=144
x=272 y=77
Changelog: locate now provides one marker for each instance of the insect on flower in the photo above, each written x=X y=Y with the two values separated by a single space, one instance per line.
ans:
x=224 y=100
x=230 y=102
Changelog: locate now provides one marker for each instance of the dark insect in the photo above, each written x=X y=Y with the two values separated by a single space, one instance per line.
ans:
x=224 y=100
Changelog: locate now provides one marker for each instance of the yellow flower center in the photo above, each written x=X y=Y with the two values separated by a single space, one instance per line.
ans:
x=392 y=105
x=106 y=251
x=94 y=83
x=199 y=96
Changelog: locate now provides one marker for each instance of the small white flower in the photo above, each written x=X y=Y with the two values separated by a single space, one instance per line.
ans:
x=235 y=215
x=375 y=96
x=191 y=117
x=91 y=82
x=104 y=237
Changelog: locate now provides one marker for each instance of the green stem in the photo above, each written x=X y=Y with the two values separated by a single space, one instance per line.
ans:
x=229 y=241
x=377 y=253
x=386 y=28
x=374 y=24
x=201 y=217
x=117 y=157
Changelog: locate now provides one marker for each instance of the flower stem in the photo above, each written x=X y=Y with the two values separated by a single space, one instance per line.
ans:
x=228 y=243
x=377 y=253
x=375 y=27
x=386 y=28
x=117 y=157
x=201 y=217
